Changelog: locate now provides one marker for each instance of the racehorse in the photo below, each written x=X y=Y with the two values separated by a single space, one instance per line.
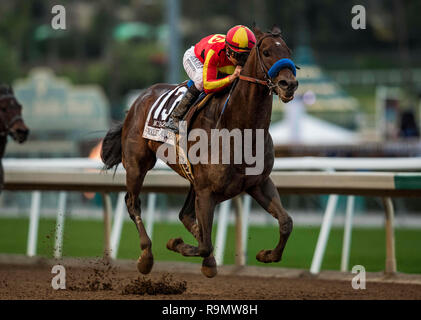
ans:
x=249 y=107
x=11 y=122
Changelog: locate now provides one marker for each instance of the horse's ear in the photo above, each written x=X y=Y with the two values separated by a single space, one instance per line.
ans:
x=256 y=30
x=275 y=29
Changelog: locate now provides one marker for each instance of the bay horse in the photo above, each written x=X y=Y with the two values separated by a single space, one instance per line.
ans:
x=11 y=123
x=250 y=107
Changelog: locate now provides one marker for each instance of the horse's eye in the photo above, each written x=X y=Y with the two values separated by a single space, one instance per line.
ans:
x=266 y=53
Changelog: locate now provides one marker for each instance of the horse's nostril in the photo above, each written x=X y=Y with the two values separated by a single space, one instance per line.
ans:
x=293 y=85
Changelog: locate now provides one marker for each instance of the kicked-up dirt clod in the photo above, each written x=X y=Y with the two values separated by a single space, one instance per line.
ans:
x=101 y=277
x=166 y=285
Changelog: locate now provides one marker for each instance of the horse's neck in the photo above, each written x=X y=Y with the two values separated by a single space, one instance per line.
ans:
x=251 y=104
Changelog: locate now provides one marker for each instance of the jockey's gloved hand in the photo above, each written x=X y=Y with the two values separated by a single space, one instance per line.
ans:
x=236 y=73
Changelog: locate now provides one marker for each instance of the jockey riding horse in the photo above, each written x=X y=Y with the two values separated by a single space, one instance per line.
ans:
x=211 y=57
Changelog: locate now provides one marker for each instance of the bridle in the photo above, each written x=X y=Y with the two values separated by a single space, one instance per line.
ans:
x=267 y=79
x=12 y=121
x=267 y=72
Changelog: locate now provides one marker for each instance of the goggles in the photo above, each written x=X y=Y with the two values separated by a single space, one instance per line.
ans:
x=241 y=57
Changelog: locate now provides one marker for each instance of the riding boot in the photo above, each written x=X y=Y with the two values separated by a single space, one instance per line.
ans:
x=183 y=106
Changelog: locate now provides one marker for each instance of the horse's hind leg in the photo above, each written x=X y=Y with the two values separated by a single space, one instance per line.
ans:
x=136 y=170
x=267 y=196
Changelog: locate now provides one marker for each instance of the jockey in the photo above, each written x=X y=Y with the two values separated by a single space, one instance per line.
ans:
x=213 y=64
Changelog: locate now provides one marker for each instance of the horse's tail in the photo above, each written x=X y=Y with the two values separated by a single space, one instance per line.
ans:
x=111 y=146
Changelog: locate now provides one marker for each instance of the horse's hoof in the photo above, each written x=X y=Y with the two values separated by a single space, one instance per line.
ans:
x=172 y=244
x=209 y=269
x=145 y=262
x=266 y=256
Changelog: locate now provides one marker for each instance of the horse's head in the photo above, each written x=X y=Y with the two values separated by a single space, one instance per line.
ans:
x=273 y=60
x=11 y=121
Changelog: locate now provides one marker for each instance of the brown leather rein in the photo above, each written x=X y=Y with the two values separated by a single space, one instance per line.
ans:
x=253 y=80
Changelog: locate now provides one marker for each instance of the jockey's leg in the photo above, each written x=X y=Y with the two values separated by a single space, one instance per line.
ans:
x=180 y=110
x=194 y=69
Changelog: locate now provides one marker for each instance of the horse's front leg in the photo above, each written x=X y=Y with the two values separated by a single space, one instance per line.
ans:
x=188 y=218
x=268 y=197
x=205 y=206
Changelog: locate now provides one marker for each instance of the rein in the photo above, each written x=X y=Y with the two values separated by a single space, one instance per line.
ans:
x=226 y=103
x=253 y=80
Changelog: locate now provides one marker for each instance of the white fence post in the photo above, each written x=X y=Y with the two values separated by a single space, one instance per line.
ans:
x=107 y=209
x=324 y=234
x=61 y=211
x=346 y=245
x=246 y=214
x=33 y=224
x=120 y=211
x=390 y=236
x=239 y=249
x=221 y=233
x=150 y=213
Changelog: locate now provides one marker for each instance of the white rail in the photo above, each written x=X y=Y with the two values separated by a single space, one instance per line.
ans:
x=86 y=175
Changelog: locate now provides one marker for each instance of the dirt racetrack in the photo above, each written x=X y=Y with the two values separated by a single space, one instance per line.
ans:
x=92 y=279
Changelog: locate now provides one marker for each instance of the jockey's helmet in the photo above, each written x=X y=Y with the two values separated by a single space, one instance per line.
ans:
x=240 y=40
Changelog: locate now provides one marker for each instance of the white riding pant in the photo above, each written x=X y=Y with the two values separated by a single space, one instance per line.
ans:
x=194 y=68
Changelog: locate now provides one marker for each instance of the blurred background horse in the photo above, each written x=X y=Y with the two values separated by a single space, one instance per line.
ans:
x=11 y=122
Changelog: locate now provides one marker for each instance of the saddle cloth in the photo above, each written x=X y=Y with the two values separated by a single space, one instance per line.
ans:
x=161 y=110
x=158 y=116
